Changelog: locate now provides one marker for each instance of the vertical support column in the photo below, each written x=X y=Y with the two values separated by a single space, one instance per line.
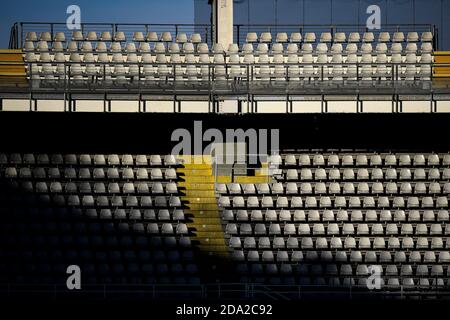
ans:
x=223 y=21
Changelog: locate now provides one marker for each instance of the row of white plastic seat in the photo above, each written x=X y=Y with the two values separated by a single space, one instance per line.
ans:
x=136 y=214
x=34 y=214
x=265 y=37
x=104 y=255
x=339 y=255
x=311 y=257
x=99 y=187
x=203 y=48
x=118 y=36
x=369 y=216
x=97 y=239
x=277 y=71
x=348 y=242
x=333 y=229
x=86 y=159
x=336 y=202
x=316 y=270
x=87 y=173
x=339 y=37
x=121 y=76
x=92 y=233
x=291 y=60
x=362 y=159
x=164 y=242
x=367 y=174
x=335 y=188
x=407 y=286
x=101 y=201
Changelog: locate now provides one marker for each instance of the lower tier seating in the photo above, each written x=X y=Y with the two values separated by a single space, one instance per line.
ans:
x=329 y=218
x=119 y=218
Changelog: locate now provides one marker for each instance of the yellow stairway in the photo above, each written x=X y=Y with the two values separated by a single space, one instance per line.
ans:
x=12 y=68
x=203 y=210
x=204 y=215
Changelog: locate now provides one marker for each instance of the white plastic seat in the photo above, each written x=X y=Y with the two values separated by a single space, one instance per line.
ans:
x=292 y=48
x=266 y=37
x=262 y=48
x=195 y=38
x=119 y=36
x=233 y=48
x=336 y=48
x=354 y=37
x=310 y=37
x=340 y=37
x=282 y=37
x=384 y=37
x=427 y=36
x=151 y=36
x=398 y=37
x=307 y=48
x=105 y=36
x=413 y=37
x=251 y=37
x=77 y=35
x=296 y=37
x=277 y=48
x=368 y=37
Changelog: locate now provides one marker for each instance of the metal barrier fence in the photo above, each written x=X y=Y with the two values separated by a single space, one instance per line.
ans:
x=223 y=291
x=241 y=30
x=20 y=29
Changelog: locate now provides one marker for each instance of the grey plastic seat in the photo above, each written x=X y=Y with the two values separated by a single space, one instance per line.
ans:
x=256 y=215
x=303 y=229
x=443 y=215
x=252 y=202
x=292 y=174
x=260 y=229
x=285 y=215
x=263 y=188
x=299 y=216
x=227 y=215
x=291 y=188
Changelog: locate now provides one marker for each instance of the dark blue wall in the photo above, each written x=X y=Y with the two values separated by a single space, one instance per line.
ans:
x=435 y=12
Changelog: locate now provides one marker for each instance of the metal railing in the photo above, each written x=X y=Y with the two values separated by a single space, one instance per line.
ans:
x=241 y=30
x=224 y=291
x=212 y=73
x=17 y=39
x=127 y=28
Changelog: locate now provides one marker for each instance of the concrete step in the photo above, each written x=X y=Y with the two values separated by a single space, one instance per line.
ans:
x=209 y=215
x=224 y=179
x=211 y=200
x=213 y=254
x=196 y=186
x=202 y=207
x=199 y=179
x=208 y=220
x=209 y=241
x=258 y=179
x=200 y=193
x=12 y=64
x=201 y=227
x=196 y=159
x=218 y=248
x=189 y=172
x=209 y=234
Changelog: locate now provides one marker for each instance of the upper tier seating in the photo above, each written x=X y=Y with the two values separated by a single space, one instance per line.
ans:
x=164 y=56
